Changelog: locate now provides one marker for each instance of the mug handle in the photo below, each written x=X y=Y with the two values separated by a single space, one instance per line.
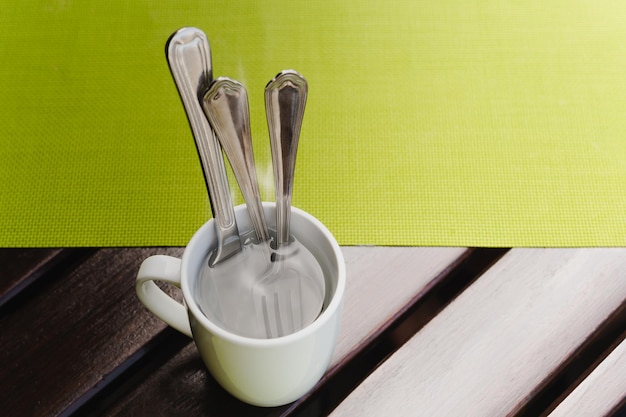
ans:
x=167 y=269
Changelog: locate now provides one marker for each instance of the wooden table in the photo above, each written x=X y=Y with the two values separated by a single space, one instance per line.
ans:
x=425 y=332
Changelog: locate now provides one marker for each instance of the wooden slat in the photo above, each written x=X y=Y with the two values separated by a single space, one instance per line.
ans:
x=64 y=341
x=487 y=352
x=380 y=282
x=19 y=265
x=601 y=391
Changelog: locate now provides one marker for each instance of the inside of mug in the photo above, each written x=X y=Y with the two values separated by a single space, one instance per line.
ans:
x=304 y=228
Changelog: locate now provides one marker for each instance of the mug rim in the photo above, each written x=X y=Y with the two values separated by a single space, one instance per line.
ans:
x=324 y=317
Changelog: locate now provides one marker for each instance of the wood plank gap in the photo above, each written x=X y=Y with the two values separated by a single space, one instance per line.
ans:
x=489 y=350
x=42 y=275
x=619 y=410
x=602 y=392
x=19 y=263
x=579 y=365
x=380 y=281
x=129 y=374
x=345 y=376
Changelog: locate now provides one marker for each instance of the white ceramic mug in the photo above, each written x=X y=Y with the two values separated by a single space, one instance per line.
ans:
x=263 y=372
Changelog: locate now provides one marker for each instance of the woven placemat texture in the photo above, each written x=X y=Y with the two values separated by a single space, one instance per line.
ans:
x=456 y=123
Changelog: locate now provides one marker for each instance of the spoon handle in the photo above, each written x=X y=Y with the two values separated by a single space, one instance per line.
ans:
x=226 y=108
x=189 y=58
x=285 y=99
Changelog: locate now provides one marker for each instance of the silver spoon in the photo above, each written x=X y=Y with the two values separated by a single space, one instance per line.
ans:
x=226 y=107
x=189 y=58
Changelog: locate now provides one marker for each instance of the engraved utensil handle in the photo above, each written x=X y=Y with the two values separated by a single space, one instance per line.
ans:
x=285 y=99
x=189 y=58
x=226 y=108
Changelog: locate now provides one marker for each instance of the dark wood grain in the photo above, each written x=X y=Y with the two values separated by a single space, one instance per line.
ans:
x=22 y=267
x=64 y=341
x=20 y=263
x=181 y=387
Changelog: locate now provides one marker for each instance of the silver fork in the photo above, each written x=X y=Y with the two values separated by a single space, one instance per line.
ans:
x=296 y=301
x=285 y=98
x=226 y=107
x=277 y=292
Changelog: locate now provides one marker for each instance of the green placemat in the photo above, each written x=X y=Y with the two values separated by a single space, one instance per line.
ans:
x=462 y=122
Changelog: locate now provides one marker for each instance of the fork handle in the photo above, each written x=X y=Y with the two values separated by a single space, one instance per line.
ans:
x=285 y=99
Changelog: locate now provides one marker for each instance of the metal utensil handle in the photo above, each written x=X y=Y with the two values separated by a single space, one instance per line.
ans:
x=285 y=99
x=226 y=108
x=189 y=58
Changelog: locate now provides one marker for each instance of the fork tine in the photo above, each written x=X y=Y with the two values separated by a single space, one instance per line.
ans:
x=266 y=319
x=279 y=325
x=290 y=317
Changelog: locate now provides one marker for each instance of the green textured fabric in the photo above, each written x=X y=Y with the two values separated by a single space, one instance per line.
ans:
x=461 y=122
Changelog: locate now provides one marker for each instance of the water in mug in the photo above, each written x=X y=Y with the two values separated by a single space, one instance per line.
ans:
x=262 y=292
